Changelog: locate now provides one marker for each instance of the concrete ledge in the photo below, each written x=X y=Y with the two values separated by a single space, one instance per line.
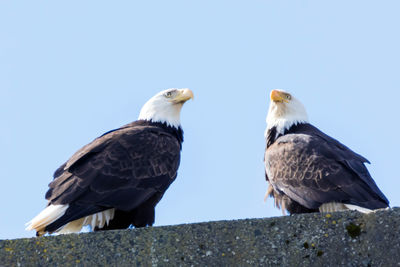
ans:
x=344 y=238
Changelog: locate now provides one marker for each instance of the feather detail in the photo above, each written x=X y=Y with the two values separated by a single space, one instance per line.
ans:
x=95 y=220
x=50 y=214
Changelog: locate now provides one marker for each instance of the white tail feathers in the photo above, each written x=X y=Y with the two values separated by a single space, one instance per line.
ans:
x=95 y=220
x=358 y=208
x=72 y=227
x=335 y=206
x=54 y=212
x=46 y=217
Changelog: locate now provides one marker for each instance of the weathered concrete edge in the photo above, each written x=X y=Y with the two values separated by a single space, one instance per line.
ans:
x=301 y=240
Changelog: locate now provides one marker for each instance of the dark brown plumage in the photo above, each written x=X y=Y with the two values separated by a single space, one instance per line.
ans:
x=117 y=180
x=122 y=169
x=309 y=171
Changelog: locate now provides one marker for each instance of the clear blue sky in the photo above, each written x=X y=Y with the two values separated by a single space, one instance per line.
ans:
x=71 y=70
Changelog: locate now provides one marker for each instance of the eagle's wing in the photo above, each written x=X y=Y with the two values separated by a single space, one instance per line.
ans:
x=312 y=170
x=121 y=170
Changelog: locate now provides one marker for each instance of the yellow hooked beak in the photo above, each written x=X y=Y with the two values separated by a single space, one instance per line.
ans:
x=278 y=96
x=183 y=96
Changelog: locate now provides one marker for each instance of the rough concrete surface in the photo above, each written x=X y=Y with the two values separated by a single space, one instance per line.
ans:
x=329 y=239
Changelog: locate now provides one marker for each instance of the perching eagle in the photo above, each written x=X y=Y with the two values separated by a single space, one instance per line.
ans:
x=117 y=180
x=309 y=171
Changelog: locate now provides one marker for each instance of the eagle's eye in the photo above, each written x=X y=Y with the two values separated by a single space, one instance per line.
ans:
x=168 y=94
x=288 y=97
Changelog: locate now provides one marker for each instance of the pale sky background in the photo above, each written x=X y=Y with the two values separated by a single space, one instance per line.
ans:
x=72 y=70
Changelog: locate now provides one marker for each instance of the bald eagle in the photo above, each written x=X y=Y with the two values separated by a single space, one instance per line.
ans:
x=116 y=180
x=309 y=171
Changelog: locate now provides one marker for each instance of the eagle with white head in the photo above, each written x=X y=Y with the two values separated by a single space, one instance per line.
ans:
x=117 y=180
x=309 y=171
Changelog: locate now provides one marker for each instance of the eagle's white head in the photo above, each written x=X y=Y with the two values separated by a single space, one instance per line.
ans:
x=166 y=106
x=284 y=111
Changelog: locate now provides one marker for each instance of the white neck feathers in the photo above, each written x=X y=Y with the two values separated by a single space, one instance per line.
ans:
x=285 y=115
x=157 y=109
